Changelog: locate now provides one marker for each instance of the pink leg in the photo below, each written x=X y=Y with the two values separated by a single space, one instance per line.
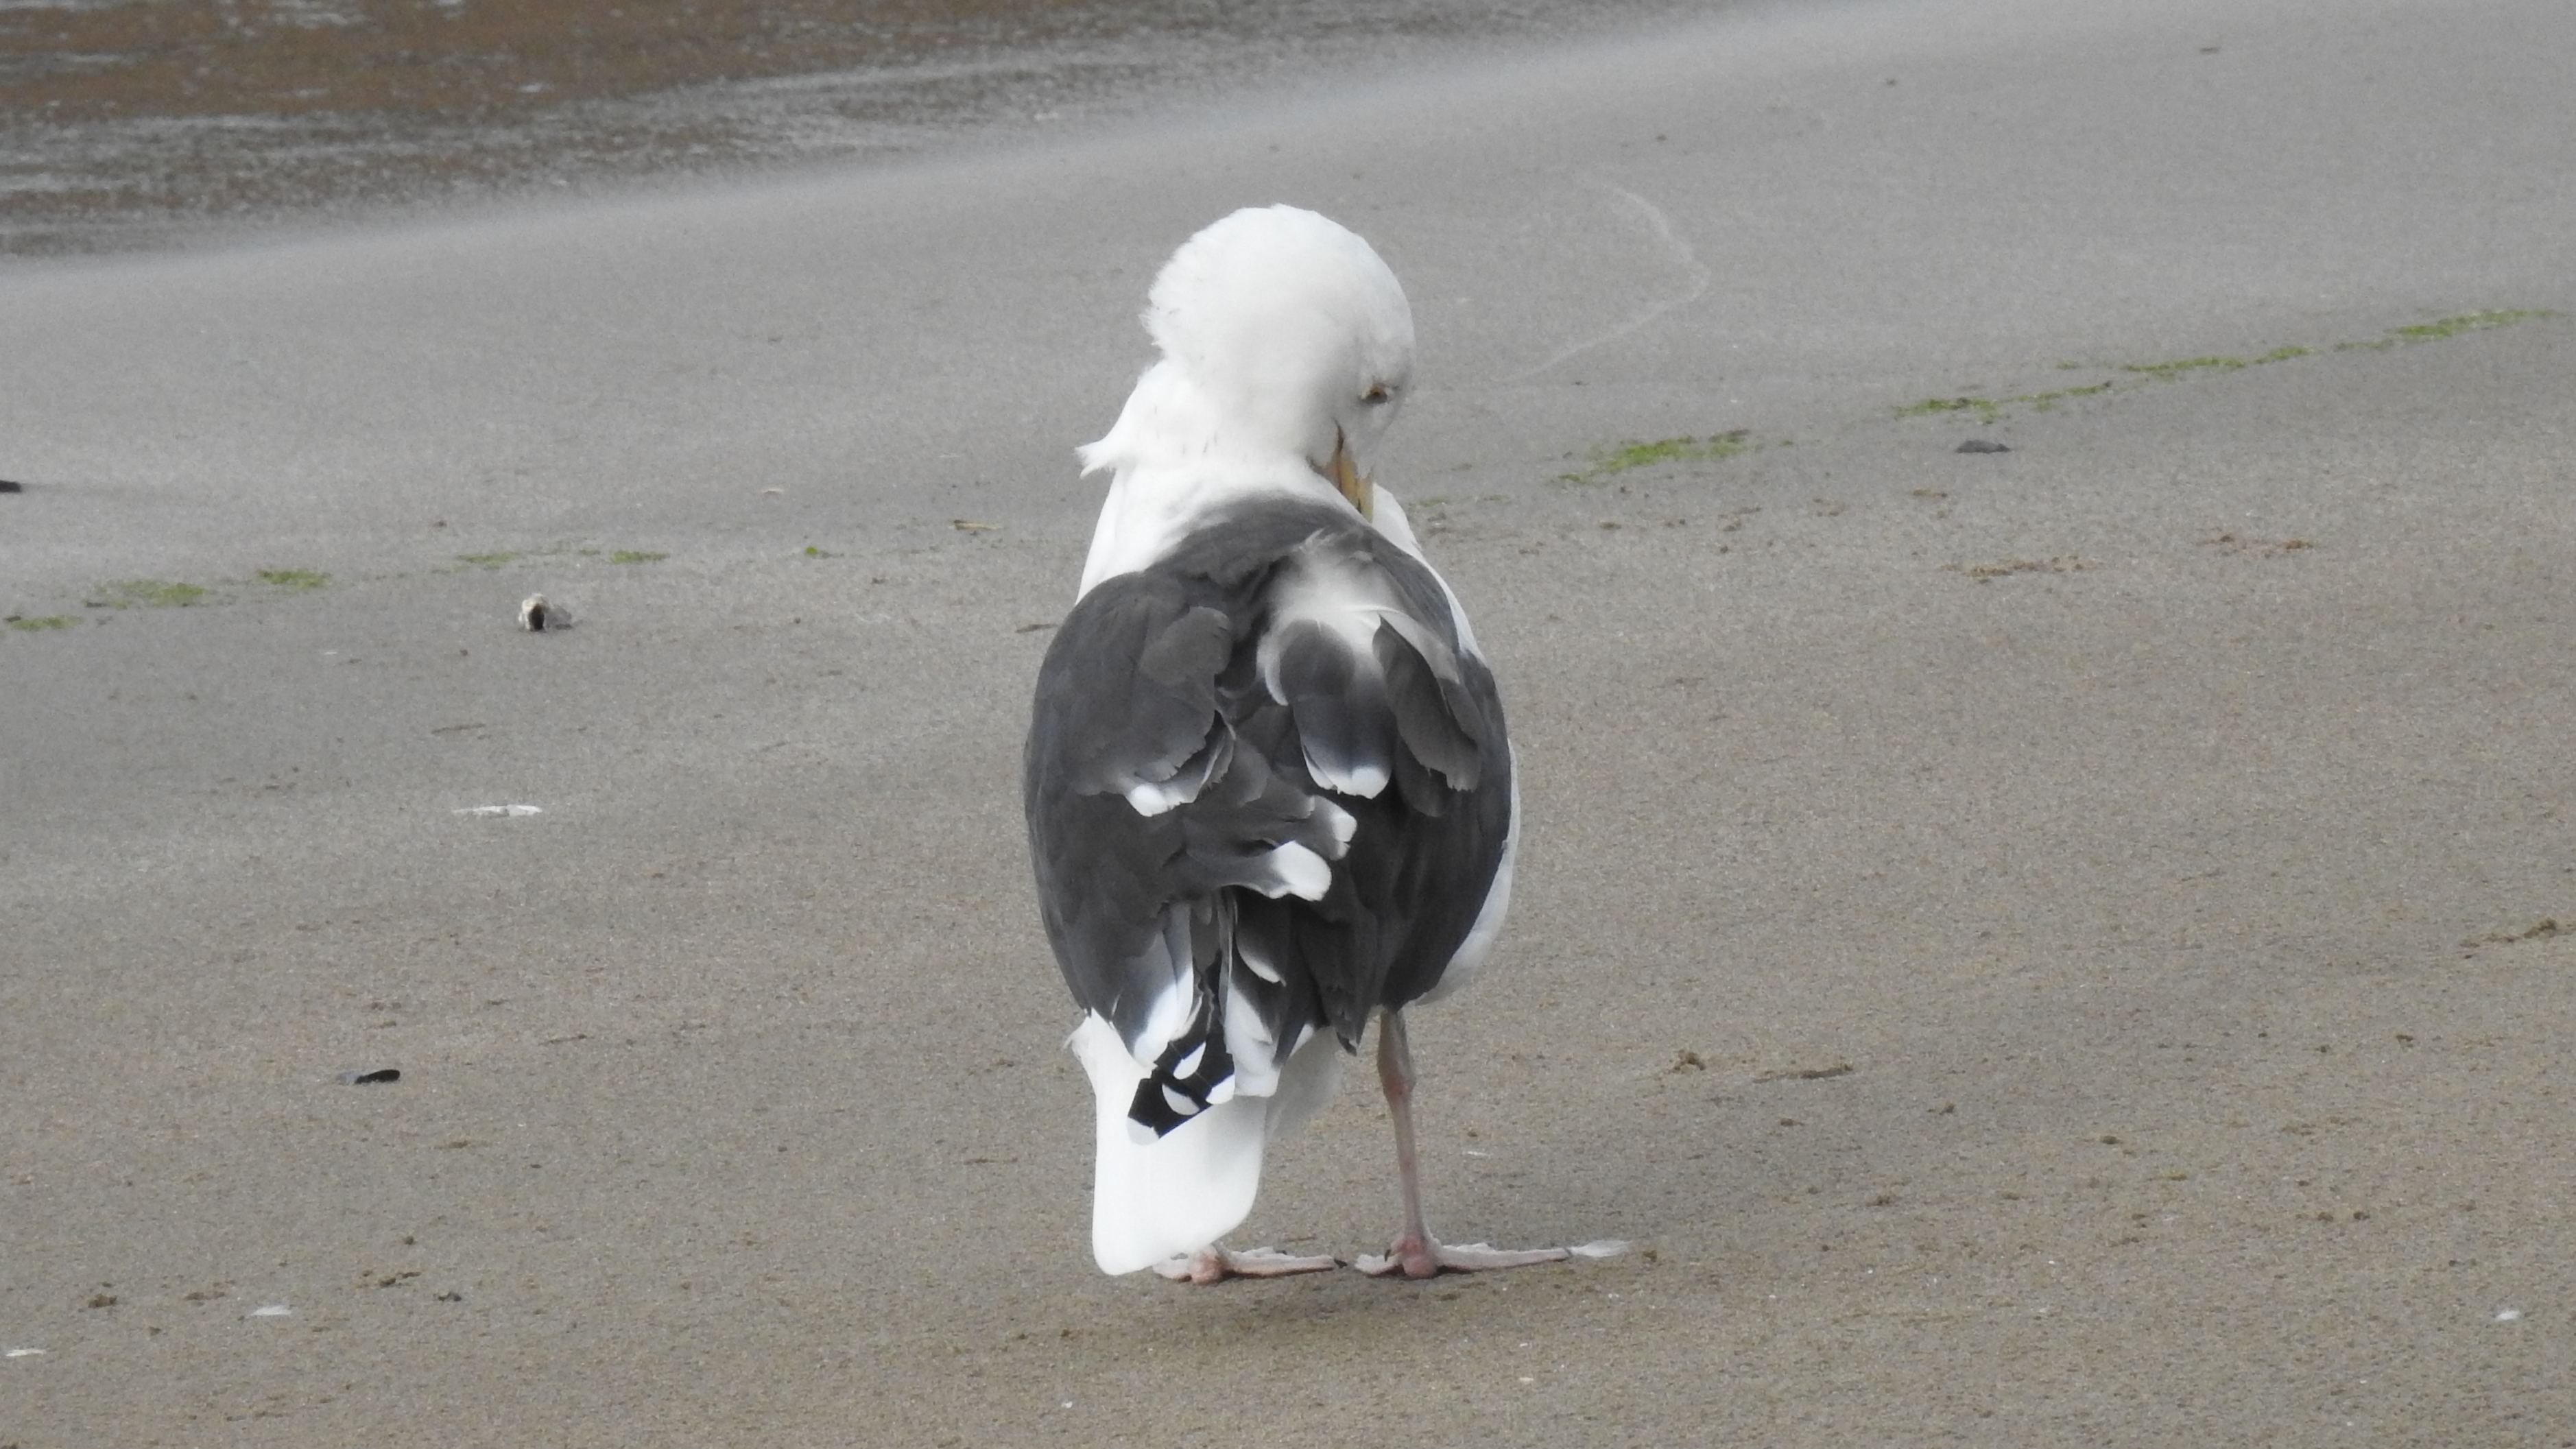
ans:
x=1417 y=1254
x=1213 y=1264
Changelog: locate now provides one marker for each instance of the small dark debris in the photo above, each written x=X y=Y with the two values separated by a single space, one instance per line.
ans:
x=1031 y=628
x=2541 y=931
x=1688 y=1061
x=102 y=1300
x=8 y=487
x=1804 y=1074
x=377 y=1077
x=1984 y=445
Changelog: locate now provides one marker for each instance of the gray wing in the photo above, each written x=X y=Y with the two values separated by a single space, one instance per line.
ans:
x=1246 y=822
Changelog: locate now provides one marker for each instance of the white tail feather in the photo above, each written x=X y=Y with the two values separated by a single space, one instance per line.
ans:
x=1163 y=1197
x=1176 y=1193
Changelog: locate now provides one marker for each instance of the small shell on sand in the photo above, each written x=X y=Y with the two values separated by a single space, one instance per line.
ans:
x=536 y=615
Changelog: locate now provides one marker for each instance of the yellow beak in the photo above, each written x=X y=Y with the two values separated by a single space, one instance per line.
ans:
x=1346 y=477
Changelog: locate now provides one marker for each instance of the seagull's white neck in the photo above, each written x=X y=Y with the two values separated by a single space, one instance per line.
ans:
x=1176 y=460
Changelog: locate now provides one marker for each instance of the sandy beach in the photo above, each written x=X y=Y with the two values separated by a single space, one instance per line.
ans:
x=2068 y=944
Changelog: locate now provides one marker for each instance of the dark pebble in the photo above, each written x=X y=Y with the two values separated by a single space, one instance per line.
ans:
x=370 y=1079
x=8 y=487
x=1983 y=445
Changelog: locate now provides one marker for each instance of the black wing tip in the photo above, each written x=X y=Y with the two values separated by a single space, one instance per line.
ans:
x=1185 y=1078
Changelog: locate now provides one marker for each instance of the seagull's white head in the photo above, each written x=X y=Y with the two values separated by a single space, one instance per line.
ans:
x=1284 y=337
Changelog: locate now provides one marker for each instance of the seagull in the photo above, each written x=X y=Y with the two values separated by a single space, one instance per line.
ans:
x=1270 y=794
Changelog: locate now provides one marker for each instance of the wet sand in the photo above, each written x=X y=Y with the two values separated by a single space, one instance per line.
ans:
x=2062 y=944
x=128 y=126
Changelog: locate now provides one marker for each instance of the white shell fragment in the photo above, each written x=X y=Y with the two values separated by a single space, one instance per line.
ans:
x=270 y=1310
x=512 y=811
x=536 y=615
x=2508 y=1315
x=20 y=1352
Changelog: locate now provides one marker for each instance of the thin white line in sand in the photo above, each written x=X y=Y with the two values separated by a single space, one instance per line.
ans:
x=1701 y=278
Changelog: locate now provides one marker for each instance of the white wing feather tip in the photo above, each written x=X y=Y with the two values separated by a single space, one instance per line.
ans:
x=1296 y=871
x=1338 y=820
x=1366 y=781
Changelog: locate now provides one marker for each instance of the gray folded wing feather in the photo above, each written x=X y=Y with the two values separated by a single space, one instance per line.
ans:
x=1165 y=779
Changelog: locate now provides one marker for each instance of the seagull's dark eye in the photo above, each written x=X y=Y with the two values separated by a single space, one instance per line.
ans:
x=1378 y=393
